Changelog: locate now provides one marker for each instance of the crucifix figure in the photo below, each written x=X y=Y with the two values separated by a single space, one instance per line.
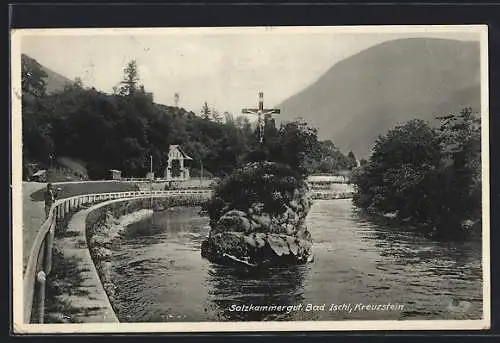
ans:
x=261 y=111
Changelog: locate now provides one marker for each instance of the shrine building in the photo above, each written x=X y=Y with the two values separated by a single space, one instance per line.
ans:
x=176 y=169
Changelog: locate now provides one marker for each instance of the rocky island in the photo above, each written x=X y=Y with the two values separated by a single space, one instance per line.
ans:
x=257 y=217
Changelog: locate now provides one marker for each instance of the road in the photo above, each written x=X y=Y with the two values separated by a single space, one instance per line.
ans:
x=33 y=216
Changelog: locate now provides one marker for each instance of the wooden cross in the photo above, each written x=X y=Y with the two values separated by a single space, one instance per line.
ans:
x=261 y=111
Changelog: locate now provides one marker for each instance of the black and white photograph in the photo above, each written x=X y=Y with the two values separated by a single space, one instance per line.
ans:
x=250 y=179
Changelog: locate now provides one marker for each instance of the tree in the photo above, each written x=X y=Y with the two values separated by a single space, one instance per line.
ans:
x=32 y=77
x=353 y=162
x=38 y=144
x=329 y=159
x=130 y=79
x=428 y=176
x=121 y=130
x=293 y=144
x=228 y=118
x=461 y=144
x=205 y=111
x=177 y=98
x=215 y=116
x=78 y=83
x=390 y=181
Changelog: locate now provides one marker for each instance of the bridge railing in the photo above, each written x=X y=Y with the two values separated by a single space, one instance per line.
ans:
x=40 y=258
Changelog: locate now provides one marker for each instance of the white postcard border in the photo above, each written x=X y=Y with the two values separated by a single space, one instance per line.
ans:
x=349 y=325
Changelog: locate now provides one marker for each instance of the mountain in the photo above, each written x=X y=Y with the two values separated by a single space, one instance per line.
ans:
x=369 y=93
x=54 y=82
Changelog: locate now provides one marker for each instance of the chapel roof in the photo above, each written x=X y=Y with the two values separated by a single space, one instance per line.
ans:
x=174 y=147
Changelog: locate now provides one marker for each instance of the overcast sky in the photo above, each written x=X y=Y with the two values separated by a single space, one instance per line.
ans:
x=226 y=68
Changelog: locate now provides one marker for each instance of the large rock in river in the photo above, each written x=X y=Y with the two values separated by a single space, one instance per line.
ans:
x=257 y=217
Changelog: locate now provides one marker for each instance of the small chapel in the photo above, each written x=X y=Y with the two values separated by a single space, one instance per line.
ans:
x=176 y=169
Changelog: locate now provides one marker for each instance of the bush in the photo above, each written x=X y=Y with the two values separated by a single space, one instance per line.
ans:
x=427 y=176
x=268 y=183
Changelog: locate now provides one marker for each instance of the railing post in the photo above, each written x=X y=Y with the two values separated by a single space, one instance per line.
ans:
x=41 y=279
x=49 y=239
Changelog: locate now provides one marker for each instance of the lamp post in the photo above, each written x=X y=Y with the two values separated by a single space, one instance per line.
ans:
x=151 y=179
x=201 y=173
x=49 y=172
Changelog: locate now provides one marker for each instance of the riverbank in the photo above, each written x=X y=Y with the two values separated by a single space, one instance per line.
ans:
x=105 y=224
x=102 y=232
x=465 y=230
x=77 y=291
x=74 y=292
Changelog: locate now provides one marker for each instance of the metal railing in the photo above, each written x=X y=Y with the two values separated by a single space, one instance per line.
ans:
x=40 y=258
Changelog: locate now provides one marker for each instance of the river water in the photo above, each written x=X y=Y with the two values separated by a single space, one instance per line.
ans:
x=160 y=276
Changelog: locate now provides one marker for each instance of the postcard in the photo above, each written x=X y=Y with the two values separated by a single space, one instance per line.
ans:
x=250 y=179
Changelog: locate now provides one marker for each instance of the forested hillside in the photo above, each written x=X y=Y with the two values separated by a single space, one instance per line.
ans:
x=122 y=130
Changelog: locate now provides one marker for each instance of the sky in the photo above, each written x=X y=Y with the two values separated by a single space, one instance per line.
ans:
x=224 y=67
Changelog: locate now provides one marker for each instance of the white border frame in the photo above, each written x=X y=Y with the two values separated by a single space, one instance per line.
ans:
x=347 y=325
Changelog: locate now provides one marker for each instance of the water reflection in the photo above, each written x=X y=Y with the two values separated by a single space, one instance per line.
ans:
x=173 y=223
x=444 y=271
x=234 y=288
x=160 y=275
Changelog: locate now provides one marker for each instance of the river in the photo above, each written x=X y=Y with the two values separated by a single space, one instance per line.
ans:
x=160 y=276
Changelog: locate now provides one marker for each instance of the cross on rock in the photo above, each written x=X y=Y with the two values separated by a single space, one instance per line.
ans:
x=261 y=111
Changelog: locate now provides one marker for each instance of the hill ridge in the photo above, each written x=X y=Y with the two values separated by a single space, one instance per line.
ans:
x=54 y=82
x=399 y=79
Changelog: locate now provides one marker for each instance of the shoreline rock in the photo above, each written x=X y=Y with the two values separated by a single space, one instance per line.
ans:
x=266 y=225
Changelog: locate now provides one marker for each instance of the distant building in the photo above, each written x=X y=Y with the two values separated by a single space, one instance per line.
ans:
x=326 y=181
x=40 y=176
x=176 y=170
x=115 y=174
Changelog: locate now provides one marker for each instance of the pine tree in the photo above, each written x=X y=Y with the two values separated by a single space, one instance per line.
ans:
x=205 y=111
x=130 y=79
